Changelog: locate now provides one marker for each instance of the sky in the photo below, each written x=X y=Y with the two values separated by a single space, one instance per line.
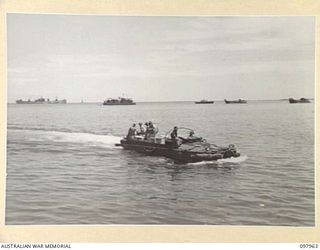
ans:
x=159 y=58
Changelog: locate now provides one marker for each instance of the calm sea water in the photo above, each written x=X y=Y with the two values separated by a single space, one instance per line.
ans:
x=63 y=167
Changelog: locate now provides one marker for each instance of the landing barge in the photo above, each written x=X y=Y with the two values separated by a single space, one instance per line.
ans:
x=182 y=149
x=204 y=102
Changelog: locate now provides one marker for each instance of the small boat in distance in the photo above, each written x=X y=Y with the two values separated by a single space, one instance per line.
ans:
x=203 y=101
x=240 y=101
x=301 y=100
x=42 y=101
x=119 y=101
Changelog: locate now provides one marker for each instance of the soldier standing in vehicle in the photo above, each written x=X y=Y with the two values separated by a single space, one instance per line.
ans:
x=132 y=132
x=174 y=133
x=174 y=136
x=153 y=129
x=146 y=131
x=142 y=129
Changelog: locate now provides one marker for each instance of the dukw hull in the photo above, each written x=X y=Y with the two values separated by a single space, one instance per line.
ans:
x=185 y=153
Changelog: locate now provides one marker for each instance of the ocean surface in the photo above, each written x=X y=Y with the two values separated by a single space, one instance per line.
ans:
x=63 y=166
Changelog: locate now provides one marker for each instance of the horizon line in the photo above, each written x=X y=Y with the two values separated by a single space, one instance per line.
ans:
x=278 y=99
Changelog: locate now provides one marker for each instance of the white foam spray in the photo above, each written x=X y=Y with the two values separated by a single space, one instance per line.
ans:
x=89 y=139
x=221 y=161
x=234 y=159
x=85 y=138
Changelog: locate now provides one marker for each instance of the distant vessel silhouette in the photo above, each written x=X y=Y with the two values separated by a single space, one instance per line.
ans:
x=203 y=101
x=119 y=101
x=240 y=101
x=301 y=100
x=42 y=101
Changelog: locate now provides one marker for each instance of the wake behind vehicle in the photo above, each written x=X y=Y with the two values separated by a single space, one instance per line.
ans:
x=189 y=149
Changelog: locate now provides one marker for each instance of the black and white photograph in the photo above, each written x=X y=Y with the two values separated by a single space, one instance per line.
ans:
x=160 y=120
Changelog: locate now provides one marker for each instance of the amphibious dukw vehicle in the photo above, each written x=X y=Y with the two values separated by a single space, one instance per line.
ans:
x=181 y=149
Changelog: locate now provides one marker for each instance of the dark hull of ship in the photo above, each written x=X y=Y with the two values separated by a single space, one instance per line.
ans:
x=235 y=102
x=114 y=104
x=291 y=100
x=209 y=102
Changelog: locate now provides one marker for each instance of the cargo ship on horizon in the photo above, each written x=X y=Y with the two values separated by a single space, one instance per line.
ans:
x=119 y=101
x=42 y=101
